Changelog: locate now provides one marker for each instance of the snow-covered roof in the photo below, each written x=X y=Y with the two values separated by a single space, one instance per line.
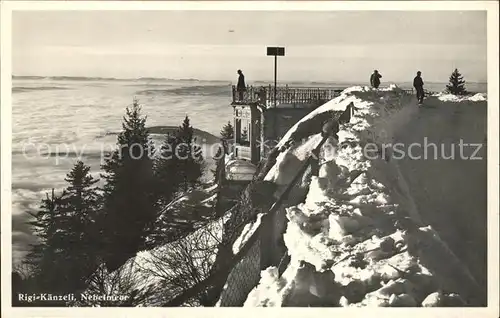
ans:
x=237 y=169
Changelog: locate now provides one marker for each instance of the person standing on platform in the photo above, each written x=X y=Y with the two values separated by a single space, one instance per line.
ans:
x=418 y=83
x=375 y=79
x=241 y=86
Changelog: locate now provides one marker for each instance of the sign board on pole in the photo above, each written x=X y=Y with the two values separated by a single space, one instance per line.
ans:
x=275 y=51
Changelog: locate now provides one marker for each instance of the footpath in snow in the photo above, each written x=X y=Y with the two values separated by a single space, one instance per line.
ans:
x=359 y=239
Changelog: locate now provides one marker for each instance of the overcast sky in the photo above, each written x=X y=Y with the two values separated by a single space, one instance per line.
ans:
x=322 y=46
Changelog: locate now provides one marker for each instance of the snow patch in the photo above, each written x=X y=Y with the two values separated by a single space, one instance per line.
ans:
x=247 y=232
x=269 y=291
x=479 y=97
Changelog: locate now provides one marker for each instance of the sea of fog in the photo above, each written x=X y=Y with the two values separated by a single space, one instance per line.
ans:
x=82 y=116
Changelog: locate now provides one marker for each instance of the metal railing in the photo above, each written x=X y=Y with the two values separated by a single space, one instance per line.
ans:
x=411 y=91
x=428 y=92
x=266 y=95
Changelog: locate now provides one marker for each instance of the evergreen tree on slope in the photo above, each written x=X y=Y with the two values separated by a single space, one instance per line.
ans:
x=167 y=170
x=190 y=157
x=130 y=198
x=66 y=254
x=80 y=205
x=47 y=225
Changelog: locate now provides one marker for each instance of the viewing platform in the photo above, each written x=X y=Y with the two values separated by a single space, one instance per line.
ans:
x=285 y=96
x=261 y=119
x=293 y=97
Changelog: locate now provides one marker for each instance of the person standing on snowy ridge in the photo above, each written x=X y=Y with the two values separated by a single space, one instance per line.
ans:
x=241 y=86
x=375 y=79
x=418 y=83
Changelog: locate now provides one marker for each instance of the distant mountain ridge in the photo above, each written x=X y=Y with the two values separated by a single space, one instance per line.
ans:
x=91 y=78
x=229 y=82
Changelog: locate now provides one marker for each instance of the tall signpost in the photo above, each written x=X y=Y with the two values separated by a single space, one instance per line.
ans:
x=275 y=51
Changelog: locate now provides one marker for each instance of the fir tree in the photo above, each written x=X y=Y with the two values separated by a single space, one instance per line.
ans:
x=189 y=157
x=80 y=205
x=167 y=170
x=457 y=84
x=65 y=225
x=130 y=198
x=167 y=175
x=48 y=258
x=227 y=131
x=43 y=254
x=177 y=169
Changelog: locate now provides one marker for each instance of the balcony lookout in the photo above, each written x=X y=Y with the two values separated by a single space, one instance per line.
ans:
x=262 y=117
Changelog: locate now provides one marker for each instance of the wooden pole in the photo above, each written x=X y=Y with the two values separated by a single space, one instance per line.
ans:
x=275 y=76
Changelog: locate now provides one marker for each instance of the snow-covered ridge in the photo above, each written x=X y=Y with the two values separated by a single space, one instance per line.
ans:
x=357 y=240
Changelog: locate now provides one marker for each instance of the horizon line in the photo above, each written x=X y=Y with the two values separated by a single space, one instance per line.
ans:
x=76 y=77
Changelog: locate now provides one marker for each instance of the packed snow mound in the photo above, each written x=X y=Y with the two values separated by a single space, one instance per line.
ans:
x=357 y=240
x=479 y=97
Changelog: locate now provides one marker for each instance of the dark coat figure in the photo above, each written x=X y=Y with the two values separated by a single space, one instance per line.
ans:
x=375 y=79
x=418 y=83
x=262 y=95
x=241 y=86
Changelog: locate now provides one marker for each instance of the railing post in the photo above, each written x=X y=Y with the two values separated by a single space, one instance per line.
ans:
x=270 y=93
